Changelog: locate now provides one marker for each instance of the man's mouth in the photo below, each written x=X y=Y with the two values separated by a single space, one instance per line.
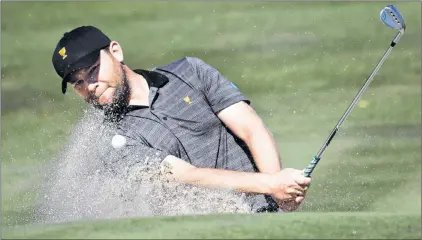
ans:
x=97 y=100
x=94 y=100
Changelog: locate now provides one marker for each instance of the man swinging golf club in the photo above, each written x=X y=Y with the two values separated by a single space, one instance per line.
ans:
x=199 y=121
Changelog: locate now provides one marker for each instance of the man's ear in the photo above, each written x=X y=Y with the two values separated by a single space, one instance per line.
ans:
x=116 y=50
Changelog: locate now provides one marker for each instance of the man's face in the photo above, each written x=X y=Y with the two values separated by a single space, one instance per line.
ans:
x=104 y=84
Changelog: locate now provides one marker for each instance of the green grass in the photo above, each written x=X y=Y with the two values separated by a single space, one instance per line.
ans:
x=291 y=226
x=300 y=63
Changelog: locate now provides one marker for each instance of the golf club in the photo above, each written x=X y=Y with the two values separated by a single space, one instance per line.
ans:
x=391 y=17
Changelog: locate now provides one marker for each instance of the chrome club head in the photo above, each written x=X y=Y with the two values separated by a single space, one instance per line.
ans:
x=391 y=17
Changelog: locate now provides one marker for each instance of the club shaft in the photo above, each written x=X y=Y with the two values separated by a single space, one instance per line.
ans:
x=358 y=95
x=318 y=156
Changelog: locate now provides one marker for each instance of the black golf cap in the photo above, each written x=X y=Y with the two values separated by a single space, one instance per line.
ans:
x=77 y=49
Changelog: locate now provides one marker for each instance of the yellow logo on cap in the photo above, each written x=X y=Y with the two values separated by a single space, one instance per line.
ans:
x=187 y=99
x=62 y=52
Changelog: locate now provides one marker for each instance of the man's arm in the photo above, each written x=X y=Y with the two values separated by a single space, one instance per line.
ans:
x=284 y=185
x=246 y=124
x=232 y=107
x=217 y=178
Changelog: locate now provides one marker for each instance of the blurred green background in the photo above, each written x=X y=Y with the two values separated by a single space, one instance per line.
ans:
x=301 y=65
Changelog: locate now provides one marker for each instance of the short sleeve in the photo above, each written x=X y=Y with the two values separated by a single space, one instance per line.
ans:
x=219 y=91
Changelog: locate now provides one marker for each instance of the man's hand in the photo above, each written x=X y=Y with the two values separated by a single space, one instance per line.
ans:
x=175 y=166
x=288 y=188
x=288 y=184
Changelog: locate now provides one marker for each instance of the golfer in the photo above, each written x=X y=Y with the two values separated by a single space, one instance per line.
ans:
x=200 y=123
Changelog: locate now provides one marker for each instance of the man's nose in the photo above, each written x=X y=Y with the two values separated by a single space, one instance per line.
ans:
x=92 y=87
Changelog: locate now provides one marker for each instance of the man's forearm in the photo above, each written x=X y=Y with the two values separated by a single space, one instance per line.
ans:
x=264 y=150
x=218 y=178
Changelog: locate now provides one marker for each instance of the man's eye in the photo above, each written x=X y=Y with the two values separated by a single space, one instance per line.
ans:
x=79 y=82
x=92 y=74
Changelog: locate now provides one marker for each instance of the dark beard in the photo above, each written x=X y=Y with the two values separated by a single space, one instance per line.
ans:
x=115 y=111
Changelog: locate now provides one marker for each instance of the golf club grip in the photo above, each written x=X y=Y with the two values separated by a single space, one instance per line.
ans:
x=311 y=166
x=315 y=160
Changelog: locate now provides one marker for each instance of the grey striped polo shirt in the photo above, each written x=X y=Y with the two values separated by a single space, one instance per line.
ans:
x=185 y=97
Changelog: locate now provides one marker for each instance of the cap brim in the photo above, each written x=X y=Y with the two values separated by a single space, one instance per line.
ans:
x=84 y=62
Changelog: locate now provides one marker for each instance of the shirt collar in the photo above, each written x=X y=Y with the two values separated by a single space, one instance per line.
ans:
x=154 y=79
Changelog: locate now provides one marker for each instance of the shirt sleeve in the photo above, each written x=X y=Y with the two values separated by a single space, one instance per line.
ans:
x=219 y=91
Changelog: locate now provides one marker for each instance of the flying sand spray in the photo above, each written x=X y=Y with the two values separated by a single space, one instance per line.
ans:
x=90 y=180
